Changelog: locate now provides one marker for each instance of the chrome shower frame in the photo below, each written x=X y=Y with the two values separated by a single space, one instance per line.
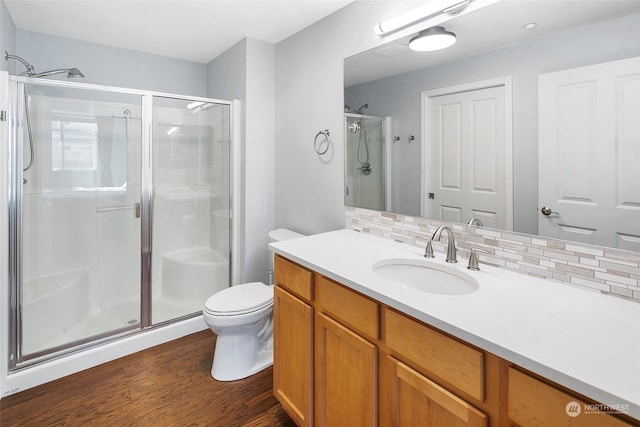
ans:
x=14 y=204
x=386 y=151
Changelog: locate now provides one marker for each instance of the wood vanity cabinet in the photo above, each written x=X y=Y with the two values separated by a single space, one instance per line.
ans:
x=533 y=402
x=293 y=340
x=414 y=400
x=427 y=386
x=343 y=359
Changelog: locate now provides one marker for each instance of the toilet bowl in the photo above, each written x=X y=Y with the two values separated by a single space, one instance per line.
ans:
x=242 y=318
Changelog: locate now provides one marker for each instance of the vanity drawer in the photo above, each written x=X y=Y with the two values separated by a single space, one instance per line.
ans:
x=348 y=307
x=296 y=279
x=533 y=402
x=452 y=361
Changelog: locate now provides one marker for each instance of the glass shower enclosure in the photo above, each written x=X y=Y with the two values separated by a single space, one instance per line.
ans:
x=365 y=161
x=118 y=211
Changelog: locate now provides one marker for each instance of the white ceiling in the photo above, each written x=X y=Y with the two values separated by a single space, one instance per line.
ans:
x=194 y=30
x=489 y=28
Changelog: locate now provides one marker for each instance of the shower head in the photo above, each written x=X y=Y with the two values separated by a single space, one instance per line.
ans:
x=72 y=73
x=350 y=109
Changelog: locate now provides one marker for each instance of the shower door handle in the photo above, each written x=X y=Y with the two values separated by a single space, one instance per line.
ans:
x=136 y=210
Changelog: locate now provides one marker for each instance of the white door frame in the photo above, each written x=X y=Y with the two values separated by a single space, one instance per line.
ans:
x=425 y=98
x=388 y=164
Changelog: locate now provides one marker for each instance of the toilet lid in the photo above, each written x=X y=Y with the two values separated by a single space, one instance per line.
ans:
x=240 y=299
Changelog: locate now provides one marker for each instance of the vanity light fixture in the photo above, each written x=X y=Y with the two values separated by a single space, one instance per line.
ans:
x=432 y=8
x=434 y=38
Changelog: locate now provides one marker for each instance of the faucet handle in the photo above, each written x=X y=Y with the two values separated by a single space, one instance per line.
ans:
x=428 y=251
x=473 y=258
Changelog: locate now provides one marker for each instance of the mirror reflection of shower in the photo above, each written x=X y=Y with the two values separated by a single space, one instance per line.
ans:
x=365 y=165
x=362 y=152
x=72 y=73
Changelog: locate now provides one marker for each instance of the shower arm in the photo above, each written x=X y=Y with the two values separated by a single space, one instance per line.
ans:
x=52 y=72
x=31 y=72
x=30 y=69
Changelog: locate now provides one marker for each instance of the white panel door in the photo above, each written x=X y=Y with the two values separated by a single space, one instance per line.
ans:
x=465 y=156
x=589 y=154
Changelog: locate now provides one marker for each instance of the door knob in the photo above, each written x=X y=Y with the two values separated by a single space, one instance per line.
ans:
x=547 y=211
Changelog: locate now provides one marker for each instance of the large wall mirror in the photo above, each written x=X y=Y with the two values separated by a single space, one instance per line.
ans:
x=537 y=105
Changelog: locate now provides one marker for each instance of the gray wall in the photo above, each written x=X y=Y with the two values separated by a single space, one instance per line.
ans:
x=111 y=66
x=246 y=72
x=259 y=162
x=227 y=74
x=309 y=97
x=399 y=97
x=7 y=39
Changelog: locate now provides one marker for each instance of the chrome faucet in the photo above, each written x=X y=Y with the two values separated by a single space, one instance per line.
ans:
x=451 y=244
x=428 y=250
x=475 y=221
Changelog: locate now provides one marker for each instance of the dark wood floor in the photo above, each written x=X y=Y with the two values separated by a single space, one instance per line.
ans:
x=167 y=385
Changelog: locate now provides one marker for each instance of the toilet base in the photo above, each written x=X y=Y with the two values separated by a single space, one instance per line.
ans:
x=240 y=356
x=259 y=366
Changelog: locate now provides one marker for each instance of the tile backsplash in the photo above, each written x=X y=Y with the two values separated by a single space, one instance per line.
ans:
x=595 y=268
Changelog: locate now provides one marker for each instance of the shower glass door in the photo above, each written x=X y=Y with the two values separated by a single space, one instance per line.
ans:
x=119 y=213
x=78 y=208
x=190 y=214
x=364 y=162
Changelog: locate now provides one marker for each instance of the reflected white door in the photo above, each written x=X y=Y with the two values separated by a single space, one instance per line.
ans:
x=589 y=149
x=466 y=157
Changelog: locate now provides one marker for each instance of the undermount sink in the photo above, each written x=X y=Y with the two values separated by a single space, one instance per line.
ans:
x=425 y=276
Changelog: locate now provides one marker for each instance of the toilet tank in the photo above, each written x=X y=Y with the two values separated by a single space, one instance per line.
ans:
x=279 y=235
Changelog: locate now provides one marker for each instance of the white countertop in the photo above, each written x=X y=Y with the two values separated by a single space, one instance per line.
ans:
x=580 y=339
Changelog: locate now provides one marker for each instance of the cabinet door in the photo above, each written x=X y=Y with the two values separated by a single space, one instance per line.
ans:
x=292 y=356
x=534 y=403
x=409 y=399
x=345 y=376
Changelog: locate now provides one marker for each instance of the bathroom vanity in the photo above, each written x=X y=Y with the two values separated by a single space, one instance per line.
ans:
x=351 y=348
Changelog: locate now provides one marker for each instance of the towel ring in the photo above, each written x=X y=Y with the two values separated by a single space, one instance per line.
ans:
x=317 y=145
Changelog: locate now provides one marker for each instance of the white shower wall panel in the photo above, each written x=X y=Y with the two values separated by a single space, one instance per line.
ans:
x=52 y=218
x=182 y=220
x=118 y=244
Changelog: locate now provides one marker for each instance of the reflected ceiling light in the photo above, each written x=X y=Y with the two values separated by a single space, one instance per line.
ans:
x=432 y=8
x=434 y=38
x=194 y=105
x=173 y=130
x=198 y=106
x=391 y=50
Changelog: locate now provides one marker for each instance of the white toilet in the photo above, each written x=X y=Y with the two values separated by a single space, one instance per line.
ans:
x=242 y=318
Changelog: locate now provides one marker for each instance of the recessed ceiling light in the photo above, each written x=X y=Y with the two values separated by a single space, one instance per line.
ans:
x=434 y=38
x=530 y=26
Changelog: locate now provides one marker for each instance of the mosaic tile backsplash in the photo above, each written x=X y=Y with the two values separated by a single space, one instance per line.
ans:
x=595 y=268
